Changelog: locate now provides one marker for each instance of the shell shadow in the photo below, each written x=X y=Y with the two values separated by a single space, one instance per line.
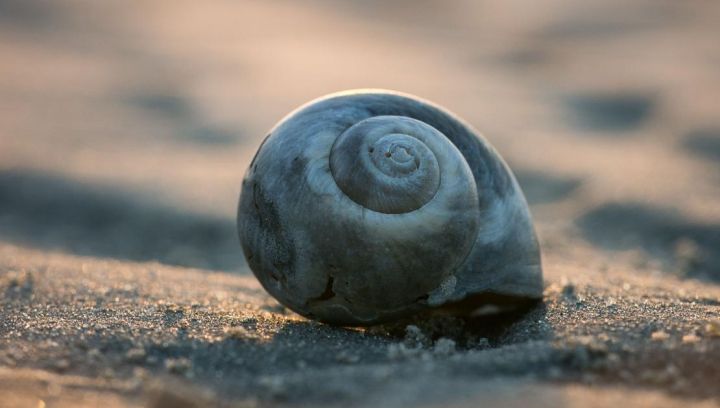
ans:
x=491 y=327
x=297 y=354
x=690 y=248
x=51 y=212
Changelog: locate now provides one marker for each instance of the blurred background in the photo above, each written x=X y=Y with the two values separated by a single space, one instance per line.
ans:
x=125 y=128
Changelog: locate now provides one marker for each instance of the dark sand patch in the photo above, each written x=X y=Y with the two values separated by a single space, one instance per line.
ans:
x=191 y=127
x=704 y=143
x=48 y=211
x=30 y=14
x=541 y=187
x=587 y=28
x=162 y=104
x=689 y=247
x=608 y=21
x=525 y=57
x=612 y=113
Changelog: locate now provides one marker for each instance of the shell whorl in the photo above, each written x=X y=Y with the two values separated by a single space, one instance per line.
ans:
x=388 y=163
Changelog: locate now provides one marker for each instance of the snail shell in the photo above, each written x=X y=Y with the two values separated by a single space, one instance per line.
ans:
x=366 y=206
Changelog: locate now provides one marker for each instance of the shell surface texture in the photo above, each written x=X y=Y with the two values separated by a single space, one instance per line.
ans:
x=366 y=206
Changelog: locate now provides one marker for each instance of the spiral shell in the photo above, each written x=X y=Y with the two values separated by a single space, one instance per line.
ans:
x=366 y=206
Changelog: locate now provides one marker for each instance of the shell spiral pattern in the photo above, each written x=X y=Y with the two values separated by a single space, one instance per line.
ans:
x=366 y=206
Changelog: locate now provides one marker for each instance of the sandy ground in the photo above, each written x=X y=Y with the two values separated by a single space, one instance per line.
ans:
x=125 y=131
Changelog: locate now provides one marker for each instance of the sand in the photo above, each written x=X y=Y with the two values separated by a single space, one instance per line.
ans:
x=125 y=131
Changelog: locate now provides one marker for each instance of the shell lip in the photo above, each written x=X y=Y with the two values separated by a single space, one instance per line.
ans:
x=518 y=281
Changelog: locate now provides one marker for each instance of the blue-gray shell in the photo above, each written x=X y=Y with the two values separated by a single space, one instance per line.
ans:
x=329 y=242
